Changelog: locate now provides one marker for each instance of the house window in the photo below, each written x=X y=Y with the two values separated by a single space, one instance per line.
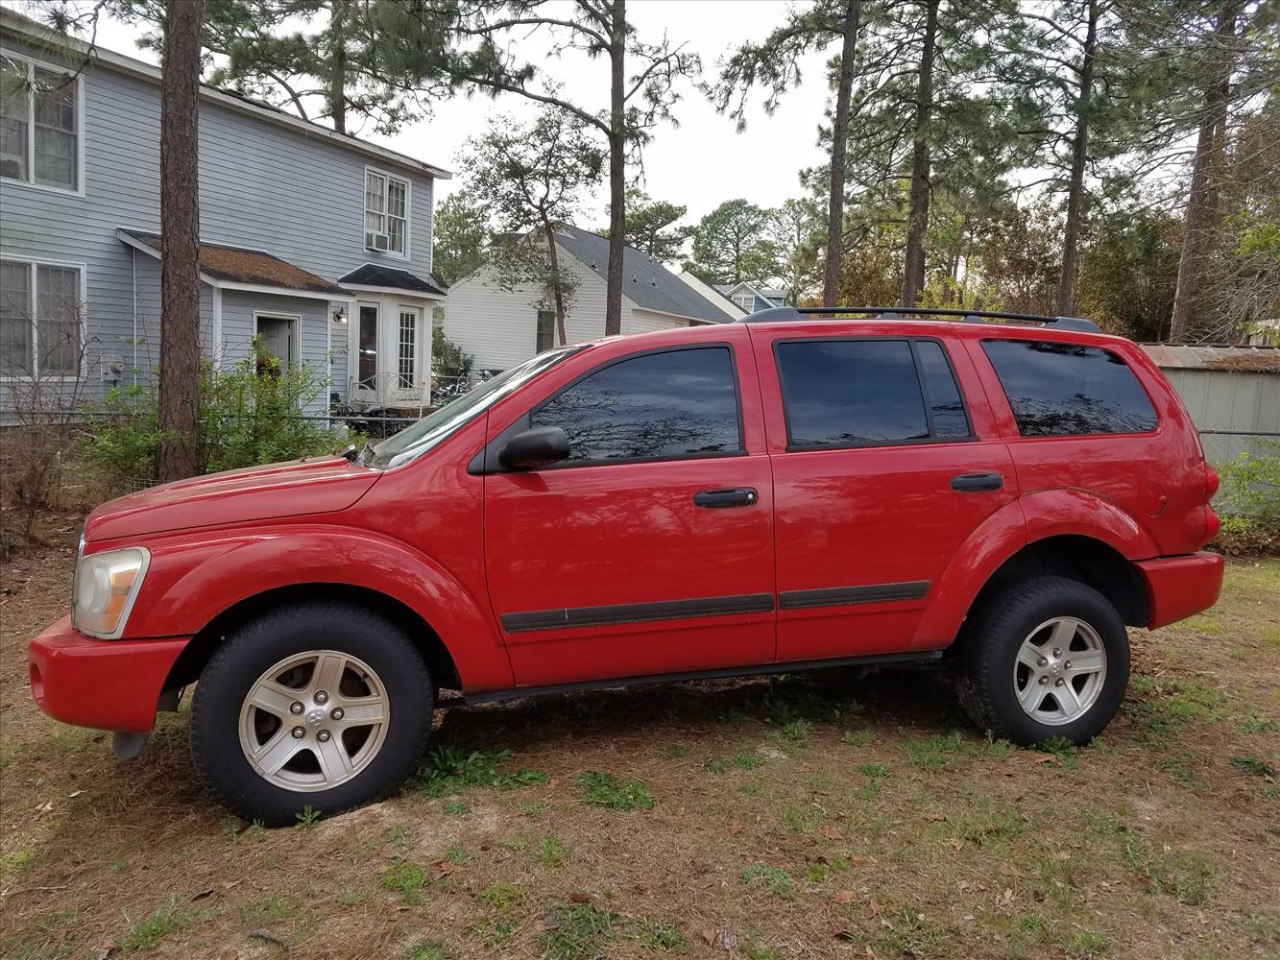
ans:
x=408 y=355
x=367 y=346
x=546 y=330
x=386 y=213
x=747 y=301
x=40 y=320
x=39 y=125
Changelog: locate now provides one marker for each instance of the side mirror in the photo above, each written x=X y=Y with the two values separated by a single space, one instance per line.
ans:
x=533 y=448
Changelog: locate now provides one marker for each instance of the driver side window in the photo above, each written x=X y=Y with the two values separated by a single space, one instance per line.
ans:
x=673 y=404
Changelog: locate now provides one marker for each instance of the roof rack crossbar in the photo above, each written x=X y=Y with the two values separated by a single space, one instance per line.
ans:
x=776 y=314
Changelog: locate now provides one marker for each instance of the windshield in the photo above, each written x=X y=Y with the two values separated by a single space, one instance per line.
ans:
x=412 y=442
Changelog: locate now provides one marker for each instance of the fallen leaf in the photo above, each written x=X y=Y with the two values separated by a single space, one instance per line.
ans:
x=579 y=898
x=938 y=817
x=1036 y=757
x=105 y=949
x=445 y=867
x=73 y=794
x=228 y=884
x=45 y=808
x=832 y=833
x=846 y=896
x=709 y=935
x=202 y=894
x=735 y=828
x=874 y=907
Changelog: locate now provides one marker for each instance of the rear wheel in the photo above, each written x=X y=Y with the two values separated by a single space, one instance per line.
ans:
x=321 y=705
x=1045 y=658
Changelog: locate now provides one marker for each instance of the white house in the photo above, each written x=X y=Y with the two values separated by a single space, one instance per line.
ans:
x=501 y=328
x=751 y=298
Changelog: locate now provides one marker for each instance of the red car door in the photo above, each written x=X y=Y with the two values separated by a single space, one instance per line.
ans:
x=649 y=550
x=881 y=473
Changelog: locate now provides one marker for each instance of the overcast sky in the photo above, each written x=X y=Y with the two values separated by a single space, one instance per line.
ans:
x=700 y=163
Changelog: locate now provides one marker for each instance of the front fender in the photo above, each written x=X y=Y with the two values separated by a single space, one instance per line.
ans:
x=196 y=577
x=1034 y=517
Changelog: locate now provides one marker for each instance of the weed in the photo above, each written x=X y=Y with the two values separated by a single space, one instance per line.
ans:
x=307 y=817
x=606 y=790
x=1271 y=793
x=748 y=761
x=937 y=752
x=675 y=751
x=398 y=833
x=858 y=738
x=1181 y=770
x=795 y=731
x=657 y=935
x=999 y=749
x=429 y=950
x=458 y=855
x=775 y=879
x=1064 y=752
x=503 y=897
x=1087 y=944
x=1259 y=768
x=552 y=852
x=578 y=932
x=1167 y=705
x=755 y=950
x=147 y=933
x=256 y=831
x=1256 y=724
x=535 y=809
x=717 y=765
x=873 y=770
x=407 y=879
x=449 y=771
x=457 y=808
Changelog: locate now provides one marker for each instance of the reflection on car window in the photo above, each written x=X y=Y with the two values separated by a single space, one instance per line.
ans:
x=945 y=406
x=1064 y=389
x=842 y=393
x=678 y=403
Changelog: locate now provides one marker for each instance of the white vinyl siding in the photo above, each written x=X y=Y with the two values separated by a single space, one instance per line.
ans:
x=386 y=209
x=41 y=334
x=39 y=125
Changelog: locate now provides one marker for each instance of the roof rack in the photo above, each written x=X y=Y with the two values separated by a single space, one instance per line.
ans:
x=776 y=314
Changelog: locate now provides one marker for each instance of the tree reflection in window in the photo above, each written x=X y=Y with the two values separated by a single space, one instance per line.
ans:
x=1065 y=389
x=679 y=403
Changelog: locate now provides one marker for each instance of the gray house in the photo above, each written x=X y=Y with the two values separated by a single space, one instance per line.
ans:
x=318 y=242
x=752 y=298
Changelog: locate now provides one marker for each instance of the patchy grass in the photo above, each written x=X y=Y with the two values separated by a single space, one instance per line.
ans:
x=815 y=815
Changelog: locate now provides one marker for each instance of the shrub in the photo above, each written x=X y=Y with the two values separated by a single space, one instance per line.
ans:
x=250 y=414
x=1250 y=502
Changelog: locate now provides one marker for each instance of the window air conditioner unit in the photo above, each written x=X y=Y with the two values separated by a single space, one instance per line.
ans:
x=377 y=241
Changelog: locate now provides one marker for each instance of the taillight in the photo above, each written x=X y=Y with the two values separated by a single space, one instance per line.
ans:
x=1211 y=522
x=1211 y=482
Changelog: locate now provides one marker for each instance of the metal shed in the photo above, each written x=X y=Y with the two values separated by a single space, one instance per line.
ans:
x=1232 y=393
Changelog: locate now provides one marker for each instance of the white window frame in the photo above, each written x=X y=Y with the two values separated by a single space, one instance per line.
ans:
x=295 y=334
x=30 y=183
x=750 y=299
x=418 y=325
x=408 y=210
x=33 y=266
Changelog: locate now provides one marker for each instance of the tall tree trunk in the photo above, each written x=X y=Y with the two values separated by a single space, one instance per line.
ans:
x=617 y=167
x=557 y=292
x=914 y=266
x=1197 y=234
x=179 y=414
x=1079 y=153
x=839 y=145
x=337 y=92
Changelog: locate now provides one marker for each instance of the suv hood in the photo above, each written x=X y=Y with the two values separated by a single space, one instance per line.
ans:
x=289 y=489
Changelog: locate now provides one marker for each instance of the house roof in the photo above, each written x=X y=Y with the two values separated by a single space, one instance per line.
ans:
x=766 y=293
x=373 y=275
x=716 y=296
x=238 y=265
x=38 y=35
x=1240 y=359
x=648 y=284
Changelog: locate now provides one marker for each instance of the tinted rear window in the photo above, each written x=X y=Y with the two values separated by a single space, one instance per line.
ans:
x=1063 y=389
x=946 y=409
x=843 y=393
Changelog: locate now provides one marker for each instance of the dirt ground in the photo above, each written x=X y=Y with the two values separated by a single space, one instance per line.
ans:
x=819 y=816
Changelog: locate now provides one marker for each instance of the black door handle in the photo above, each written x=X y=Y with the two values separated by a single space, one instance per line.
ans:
x=733 y=497
x=972 y=482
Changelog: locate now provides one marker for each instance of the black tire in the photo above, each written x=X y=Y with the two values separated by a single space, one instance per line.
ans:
x=993 y=636
x=255 y=648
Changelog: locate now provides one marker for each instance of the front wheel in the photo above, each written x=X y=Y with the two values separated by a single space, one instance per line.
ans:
x=321 y=704
x=1045 y=658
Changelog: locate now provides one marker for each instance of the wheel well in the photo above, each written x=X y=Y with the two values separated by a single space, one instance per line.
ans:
x=191 y=662
x=1089 y=561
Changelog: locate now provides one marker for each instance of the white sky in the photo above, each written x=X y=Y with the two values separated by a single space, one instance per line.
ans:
x=701 y=163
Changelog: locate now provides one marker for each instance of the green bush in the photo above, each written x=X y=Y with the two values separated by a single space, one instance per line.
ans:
x=1251 y=485
x=448 y=360
x=250 y=414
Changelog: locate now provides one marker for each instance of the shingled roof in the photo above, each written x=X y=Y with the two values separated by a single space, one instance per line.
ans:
x=374 y=275
x=649 y=284
x=242 y=265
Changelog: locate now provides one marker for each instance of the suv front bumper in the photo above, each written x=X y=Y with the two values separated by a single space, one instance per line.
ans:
x=106 y=684
x=1179 y=587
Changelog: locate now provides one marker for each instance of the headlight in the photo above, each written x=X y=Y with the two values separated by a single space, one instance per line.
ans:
x=106 y=584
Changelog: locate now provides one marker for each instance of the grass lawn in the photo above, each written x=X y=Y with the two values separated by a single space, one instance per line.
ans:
x=818 y=816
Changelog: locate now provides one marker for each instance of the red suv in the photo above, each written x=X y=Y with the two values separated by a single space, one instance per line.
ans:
x=783 y=493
